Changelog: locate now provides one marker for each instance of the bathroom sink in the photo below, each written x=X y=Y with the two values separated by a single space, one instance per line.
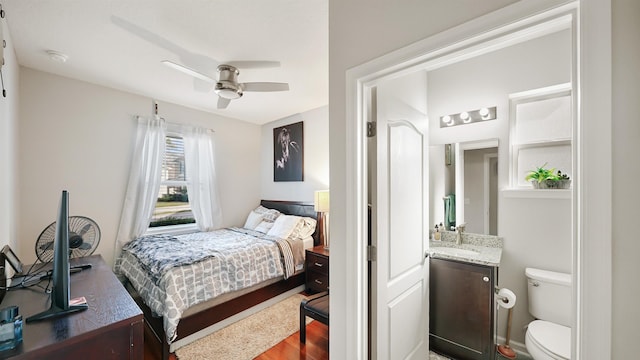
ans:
x=452 y=251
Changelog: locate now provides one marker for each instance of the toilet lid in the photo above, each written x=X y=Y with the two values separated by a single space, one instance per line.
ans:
x=554 y=338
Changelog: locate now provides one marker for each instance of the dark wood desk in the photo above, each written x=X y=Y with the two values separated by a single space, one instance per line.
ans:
x=111 y=328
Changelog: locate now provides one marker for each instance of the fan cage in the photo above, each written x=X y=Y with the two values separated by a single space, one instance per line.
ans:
x=82 y=226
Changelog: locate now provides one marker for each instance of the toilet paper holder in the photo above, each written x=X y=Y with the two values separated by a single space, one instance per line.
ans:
x=505 y=297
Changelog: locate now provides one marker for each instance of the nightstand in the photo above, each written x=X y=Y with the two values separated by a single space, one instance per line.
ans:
x=317 y=269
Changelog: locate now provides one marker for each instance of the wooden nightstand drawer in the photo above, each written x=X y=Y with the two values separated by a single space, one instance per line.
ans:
x=317 y=269
x=317 y=263
x=317 y=282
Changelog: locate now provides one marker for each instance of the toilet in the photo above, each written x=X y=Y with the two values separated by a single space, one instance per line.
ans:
x=549 y=336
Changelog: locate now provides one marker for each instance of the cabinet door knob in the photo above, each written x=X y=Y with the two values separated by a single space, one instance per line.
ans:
x=317 y=264
x=485 y=279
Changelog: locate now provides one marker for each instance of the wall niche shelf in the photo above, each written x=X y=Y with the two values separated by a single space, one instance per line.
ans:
x=524 y=193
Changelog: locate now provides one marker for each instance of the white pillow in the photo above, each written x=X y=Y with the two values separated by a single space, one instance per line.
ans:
x=284 y=226
x=253 y=220
x=264 y=226
x=305 y=228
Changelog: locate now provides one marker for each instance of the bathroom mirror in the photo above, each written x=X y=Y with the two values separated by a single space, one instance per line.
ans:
x=469 y=172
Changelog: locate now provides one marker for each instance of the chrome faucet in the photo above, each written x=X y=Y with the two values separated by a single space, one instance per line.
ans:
x=459 y=230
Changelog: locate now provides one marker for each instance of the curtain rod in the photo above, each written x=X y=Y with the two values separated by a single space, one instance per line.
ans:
x=140 y=118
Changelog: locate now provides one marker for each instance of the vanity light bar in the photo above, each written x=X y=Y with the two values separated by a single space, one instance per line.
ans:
x=468 y=117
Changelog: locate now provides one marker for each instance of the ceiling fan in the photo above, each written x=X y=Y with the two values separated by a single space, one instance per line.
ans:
x=226 y=85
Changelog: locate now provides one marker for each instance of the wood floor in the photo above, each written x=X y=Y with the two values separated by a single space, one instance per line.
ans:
x=316 y=347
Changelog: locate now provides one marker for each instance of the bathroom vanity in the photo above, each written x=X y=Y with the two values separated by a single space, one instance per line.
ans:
x=462 y=280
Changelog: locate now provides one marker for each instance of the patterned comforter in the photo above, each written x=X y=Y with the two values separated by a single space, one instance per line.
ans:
x=173 y=273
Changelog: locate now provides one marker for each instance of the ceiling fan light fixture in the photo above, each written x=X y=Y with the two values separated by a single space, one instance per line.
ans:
x=228 y=90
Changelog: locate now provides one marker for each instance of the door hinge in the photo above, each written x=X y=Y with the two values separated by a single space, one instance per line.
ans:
x=371 y=129
x=372 y=253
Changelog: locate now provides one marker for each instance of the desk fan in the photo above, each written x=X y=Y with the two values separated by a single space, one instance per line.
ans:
x=84 y=237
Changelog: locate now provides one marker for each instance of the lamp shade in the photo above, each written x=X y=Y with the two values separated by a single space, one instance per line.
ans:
x=321 y=201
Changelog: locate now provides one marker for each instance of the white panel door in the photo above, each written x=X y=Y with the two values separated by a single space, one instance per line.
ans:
x=401 y=270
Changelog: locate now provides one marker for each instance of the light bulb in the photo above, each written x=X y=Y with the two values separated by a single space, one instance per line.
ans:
x=465 y=117
x=484 y=112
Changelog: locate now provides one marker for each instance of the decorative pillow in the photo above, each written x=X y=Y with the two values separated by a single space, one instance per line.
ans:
x=264 y=227
x=305 y=228
x=253 y=220
x=267 y=214
x=284 y=226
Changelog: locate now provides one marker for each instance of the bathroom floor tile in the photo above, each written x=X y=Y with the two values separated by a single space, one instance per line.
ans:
x=434 y=356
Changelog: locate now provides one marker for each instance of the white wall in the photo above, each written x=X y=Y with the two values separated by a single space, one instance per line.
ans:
x=626 y=172
x=79 y=136
x=316 y=158
x=8 y=128
x=487 y=80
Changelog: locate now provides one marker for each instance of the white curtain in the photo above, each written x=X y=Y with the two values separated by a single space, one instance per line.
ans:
x=144 y=181
x=202 y=187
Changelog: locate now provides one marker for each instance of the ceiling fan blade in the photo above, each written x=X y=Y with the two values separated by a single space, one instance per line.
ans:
x=147 y=35
x=265 y=86
x=254 y=64
x=223 y=103
x=188 y=71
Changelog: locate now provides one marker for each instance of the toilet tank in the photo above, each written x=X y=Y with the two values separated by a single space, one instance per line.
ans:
x=549 y=295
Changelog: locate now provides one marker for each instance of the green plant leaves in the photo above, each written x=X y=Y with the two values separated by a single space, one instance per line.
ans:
x=542 y=174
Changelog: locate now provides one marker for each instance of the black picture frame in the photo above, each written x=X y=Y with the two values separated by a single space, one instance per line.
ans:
x=12 y=259
x=288 y=152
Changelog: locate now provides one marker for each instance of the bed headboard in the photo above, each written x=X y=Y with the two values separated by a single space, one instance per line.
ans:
x=296 y=208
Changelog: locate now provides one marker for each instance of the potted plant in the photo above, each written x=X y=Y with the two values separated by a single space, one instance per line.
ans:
x=543 y=178
x=563 y=180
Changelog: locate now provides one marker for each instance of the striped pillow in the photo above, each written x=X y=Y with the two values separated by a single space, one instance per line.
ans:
x=269 y=215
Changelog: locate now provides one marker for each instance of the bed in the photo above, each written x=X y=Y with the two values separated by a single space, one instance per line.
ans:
x=183 y=298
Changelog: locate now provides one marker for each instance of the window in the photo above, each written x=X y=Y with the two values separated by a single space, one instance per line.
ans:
x=172 y=206
x=541 y=131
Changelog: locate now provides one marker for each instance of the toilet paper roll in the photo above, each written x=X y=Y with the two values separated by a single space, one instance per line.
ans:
x=506 y=298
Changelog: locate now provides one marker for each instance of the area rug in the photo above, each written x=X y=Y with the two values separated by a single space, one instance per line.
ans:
x=249 y=337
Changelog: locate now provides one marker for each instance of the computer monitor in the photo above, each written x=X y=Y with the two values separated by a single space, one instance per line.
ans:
x=60 y=292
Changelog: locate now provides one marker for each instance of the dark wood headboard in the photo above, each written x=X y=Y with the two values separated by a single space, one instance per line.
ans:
x=296 y=208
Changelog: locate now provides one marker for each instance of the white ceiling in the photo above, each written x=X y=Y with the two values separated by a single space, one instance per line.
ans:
x=120 y=43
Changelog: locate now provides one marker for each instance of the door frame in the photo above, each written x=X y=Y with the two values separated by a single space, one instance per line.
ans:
x=591 y=203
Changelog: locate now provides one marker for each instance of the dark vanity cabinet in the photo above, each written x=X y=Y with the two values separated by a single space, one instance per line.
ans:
x=461 y=309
